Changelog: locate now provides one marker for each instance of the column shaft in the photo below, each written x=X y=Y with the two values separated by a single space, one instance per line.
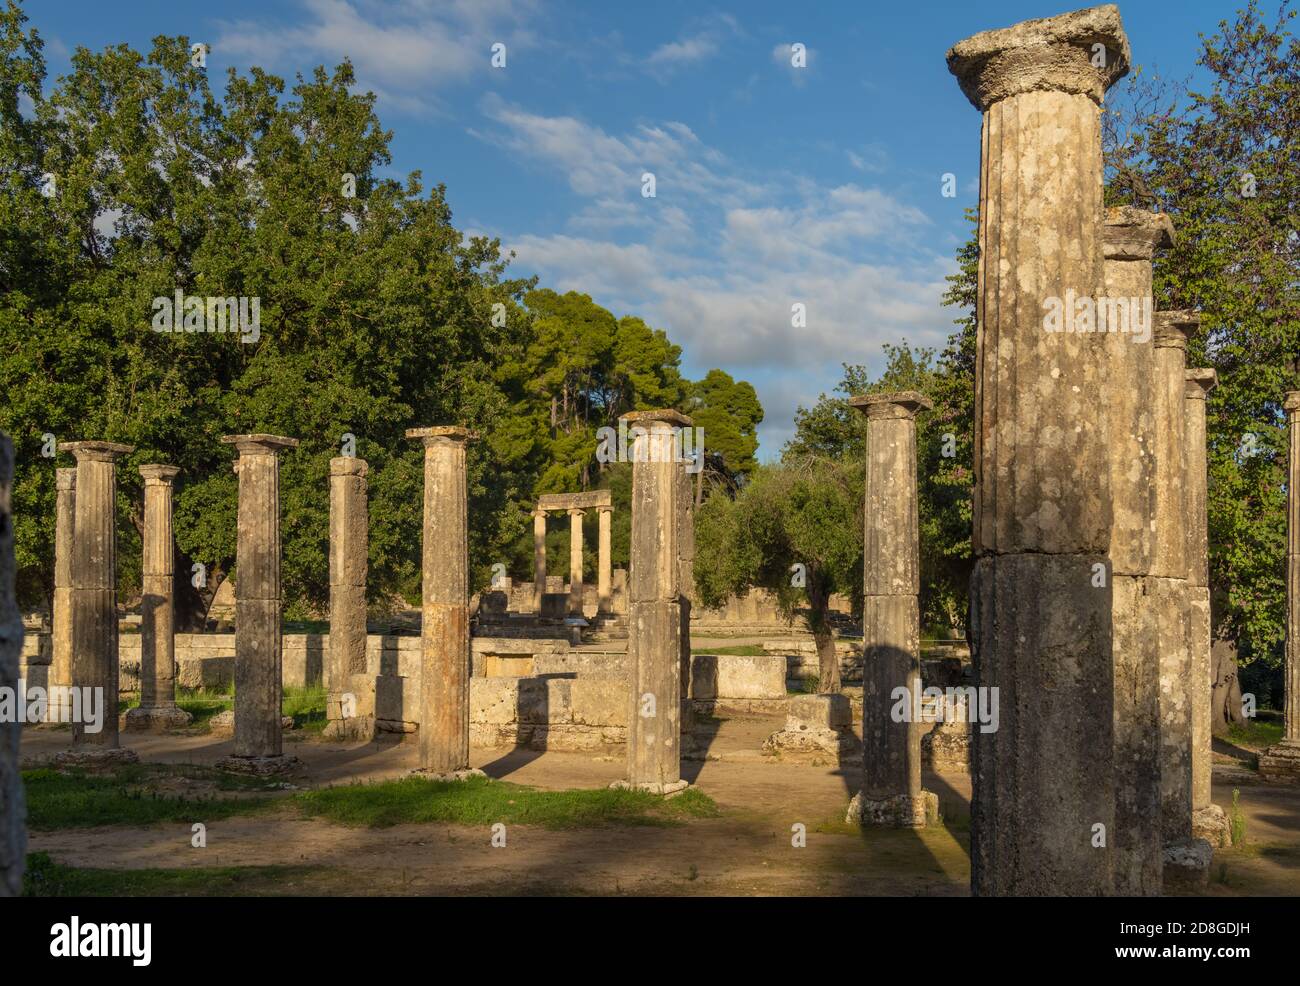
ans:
x=349 y=537
x=539 y=559
x=1198 y=383
x=13 y=830
x=603 y=574
x=575 y=562
x=61 y=644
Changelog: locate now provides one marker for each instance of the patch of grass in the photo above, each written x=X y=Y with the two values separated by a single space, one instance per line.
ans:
x=307 y=706
x=202 y=704
x=1256 y=734
x=739 y=650
x=481 y=801
x=132 y=795
x=46 y=878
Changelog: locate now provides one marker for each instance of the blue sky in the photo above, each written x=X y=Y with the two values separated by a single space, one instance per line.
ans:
x=774 y=185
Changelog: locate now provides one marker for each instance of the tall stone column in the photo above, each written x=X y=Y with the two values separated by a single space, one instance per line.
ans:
x=539 y=558
x=1130 y=238
x=654 y=611
x=157 y=710
x=603 y=571
x=575 y=562
x=1281 y=762
x=258 y=601
x=94 y=590
x=61 y=644
x=1044 y=784
x=891 y=791
x=444 y=644
x=349 y=542
x=1209 y=821
x=13 y=809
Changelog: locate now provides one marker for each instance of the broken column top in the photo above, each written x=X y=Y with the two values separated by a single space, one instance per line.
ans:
x=1051 y=54
x=1199 y=382
x=259 y=444
x=899 y=404
x=1135 y=234
x=451 y=433
x=1173 y=329
x=1292 y=401
x=662 y=416
x=65 y=479
x=154 y=473
x=348 y=465
x=96 y=451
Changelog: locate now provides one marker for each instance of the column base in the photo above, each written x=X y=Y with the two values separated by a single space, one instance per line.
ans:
x=100 y=756
x=1187 y=865
x=260 y=766
x=900 y=811
x=815 y=724
x=447 y=775
x=224 y=722
x=653 y=787
x=1211 y=824
x=1281 y=763
x=157 y=719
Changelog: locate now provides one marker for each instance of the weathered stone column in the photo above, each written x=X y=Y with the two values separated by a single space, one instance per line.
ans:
x=1130 y=238
x=1041 y=632
x=13 y=809
x=575 y=562
x=539 y=558
x=654 y=617
x=94 y=590
x=1209 y=821
x=603 y=602
x=891 y=791
x=349 y=542
x=444 y=644
x=1281 y=762
x=61 y=614
x=157 y=710
x=258 y=643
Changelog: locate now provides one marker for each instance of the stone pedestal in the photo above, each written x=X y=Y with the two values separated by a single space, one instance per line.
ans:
x=815 y=724
x=1281 y=763
x=349 y=540
x=654 y=621
x=1041 y=632
x=444 y=644
x=575 y=562
x=157 y=710
x=61 y=642
x=13 y=811
x=94 y=586
x=539 y=558
x=603 y=601
x=891 y=624
x=258 y=645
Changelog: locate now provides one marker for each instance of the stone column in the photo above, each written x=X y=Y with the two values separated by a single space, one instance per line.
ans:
x=1130 y=238
x=61 y=644
x=891 y=791
x=444 y=643
x=258 y=643
x=94 y=591
x=349 y=541
x=157 y=710
x=13 y=810
x=1209 y=821
x=1281 y=762
x=603 y=603
x=1041 y=633
x=575 y=563
x=539 y=558
x=654 y=617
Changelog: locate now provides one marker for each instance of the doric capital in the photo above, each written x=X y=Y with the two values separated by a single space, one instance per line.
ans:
x=65 y=479
x=1292 y=403
x=97 y=451
x=1199 y=382
x=348 y=465
x=664 y=416
x=577 y=512
x=159 y=475
x=1135 y=234
x=1084 y=52
x=1173 y=329
x=900 y=404
x=441 y=434
x=259 y=444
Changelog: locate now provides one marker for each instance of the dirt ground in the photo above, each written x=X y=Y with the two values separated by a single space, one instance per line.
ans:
x=747 y=850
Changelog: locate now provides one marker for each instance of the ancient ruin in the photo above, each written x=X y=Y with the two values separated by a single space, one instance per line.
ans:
x=1282 y=761
x=349 y=540
x=576 y=506
x=13 y=830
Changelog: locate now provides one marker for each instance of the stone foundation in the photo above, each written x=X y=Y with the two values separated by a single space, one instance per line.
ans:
x=901 y=811
x=155 y=720
x=815 y=724
x=1280 y=764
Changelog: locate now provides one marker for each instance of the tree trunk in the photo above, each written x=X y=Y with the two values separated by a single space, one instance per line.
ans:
x=828 y=662
x=1225 y=692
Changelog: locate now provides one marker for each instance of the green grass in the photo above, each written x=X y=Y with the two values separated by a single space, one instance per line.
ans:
x=46 y=878
x=1255 y=734
x=480 y=801
x=130 y=796
x=306 y=705
x=739 y=650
